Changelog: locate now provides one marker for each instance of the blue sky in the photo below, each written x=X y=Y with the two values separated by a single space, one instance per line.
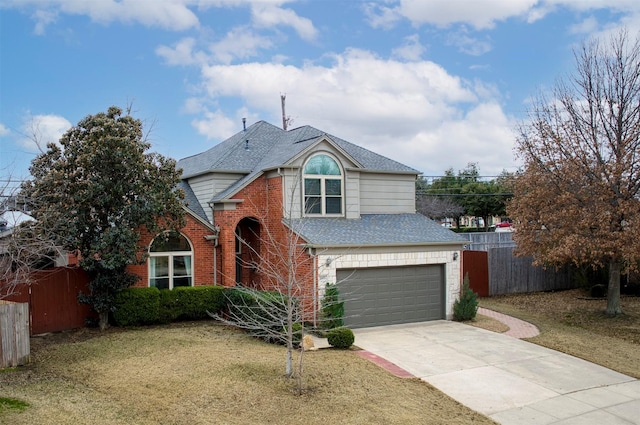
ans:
x=433 y=84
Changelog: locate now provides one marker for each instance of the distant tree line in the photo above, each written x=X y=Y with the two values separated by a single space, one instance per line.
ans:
x=464 y=194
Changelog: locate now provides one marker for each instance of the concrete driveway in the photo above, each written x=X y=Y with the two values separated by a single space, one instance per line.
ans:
x=507 y=379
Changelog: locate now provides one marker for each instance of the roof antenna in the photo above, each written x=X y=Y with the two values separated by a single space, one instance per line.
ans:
x=244 y=127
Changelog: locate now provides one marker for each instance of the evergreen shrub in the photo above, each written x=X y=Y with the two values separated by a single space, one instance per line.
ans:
x=340 y=337
x=465 y=307
x=332 y=307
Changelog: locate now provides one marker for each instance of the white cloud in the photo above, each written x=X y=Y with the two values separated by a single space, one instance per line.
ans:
x=380 y=16
x=214 y=125
x=469 y=45
x=4 y=131
x=40 y=130
x=174 y=15
x=43 y=18
x=169 y=14
x=268 y=16
x=413 y=112
x=482 y=15
x=239 y=43
x=443 y=13
x=182 y=53
x=411 y=49
x=586 y=26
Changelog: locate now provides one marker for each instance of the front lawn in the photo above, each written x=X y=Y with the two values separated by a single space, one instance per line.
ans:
x=206 y=373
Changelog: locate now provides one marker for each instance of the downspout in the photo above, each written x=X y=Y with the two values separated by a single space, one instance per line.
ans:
x=215 y=243
x=214 y=238
x=314 y=259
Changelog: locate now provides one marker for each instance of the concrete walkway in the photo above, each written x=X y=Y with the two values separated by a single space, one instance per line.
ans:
x=517 y=328
x=510 y=380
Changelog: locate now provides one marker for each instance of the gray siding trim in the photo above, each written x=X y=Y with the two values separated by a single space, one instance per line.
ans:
x=387 y=193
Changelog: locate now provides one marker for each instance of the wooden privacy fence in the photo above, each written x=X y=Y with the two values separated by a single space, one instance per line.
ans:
x=510 y=274
x=53 y=300
x=14 y=334
x=476 y=266
x=494 y=269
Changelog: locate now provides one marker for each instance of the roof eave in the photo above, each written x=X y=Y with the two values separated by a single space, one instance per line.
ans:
x=386 y=245
x=197 y=217
x=371 y=170
x=211 y=171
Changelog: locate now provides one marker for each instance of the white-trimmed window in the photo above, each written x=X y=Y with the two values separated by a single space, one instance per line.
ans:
x=170 y=261
x=323 y=183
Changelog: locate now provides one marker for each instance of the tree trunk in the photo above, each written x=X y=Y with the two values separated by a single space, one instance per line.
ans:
x=289 y=366
x=104 y=320
x=613 y=292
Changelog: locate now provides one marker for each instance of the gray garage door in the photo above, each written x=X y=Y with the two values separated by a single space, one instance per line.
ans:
x=392 y=295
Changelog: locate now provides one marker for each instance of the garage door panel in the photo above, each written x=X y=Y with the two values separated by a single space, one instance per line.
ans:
x=392 y=295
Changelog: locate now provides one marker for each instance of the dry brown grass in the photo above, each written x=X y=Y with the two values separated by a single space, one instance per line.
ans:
x=488 y=323
x=205 y=373
x=571 y=322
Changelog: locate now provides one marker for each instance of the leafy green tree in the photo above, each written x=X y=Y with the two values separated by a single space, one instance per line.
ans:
x=96 y=190
x=463 y=194
x=484 y=199
x=578 y=198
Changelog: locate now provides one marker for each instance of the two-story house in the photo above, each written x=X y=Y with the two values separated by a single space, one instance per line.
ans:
x=266 y=201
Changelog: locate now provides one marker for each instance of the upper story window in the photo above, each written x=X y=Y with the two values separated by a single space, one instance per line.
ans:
x=170 y=261
x=322 y=186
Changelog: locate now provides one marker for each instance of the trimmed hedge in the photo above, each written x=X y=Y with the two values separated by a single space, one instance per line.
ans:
x=146 y=306
x=137 y=306
x=190 y=302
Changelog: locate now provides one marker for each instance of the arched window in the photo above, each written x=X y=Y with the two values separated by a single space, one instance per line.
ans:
x=170 y=261
x=322 y=186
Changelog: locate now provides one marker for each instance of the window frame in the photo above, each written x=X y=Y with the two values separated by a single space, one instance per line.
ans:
x=171 y=255
x=323 y=195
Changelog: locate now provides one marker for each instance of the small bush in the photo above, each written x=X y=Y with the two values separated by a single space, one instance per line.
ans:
x=340 y=337
x=466 y=307
x=598 y=291
x=136 y=306
x=332 y=307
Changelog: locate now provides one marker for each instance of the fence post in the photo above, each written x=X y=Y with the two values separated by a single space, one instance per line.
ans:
x=14 y=334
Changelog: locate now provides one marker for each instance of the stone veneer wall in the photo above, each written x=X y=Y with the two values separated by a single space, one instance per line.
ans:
x=329 y=263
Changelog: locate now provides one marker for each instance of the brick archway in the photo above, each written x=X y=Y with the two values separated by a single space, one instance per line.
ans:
x=247 y=253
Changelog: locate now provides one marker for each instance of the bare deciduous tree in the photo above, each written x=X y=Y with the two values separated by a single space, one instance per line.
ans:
x=281 y=264
x=438 y=207
x=24 y=247
x=577 y=199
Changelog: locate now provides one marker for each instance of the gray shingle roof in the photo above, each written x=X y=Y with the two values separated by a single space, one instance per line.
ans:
x=191 y=201
x=374 y=229
x=271 y=147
